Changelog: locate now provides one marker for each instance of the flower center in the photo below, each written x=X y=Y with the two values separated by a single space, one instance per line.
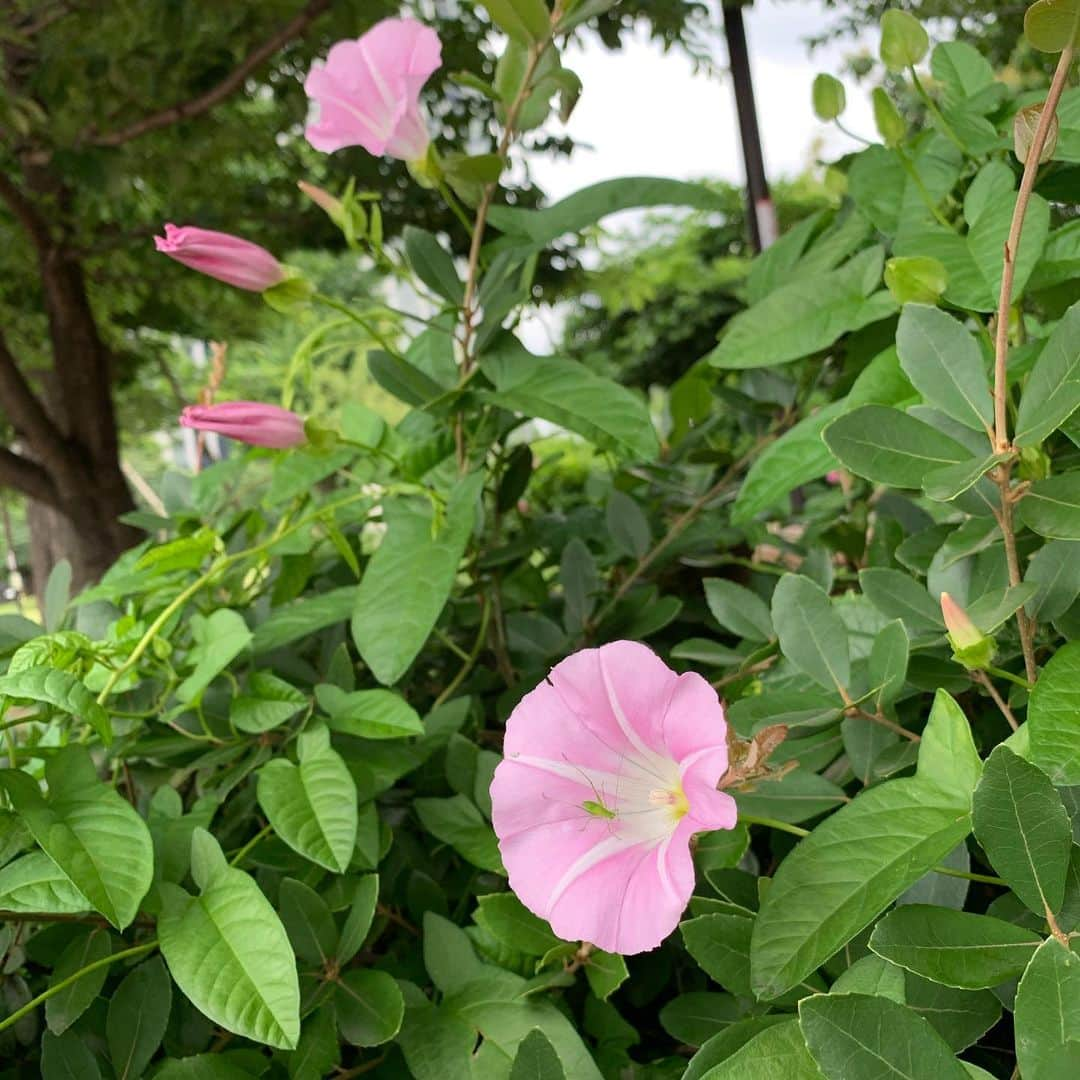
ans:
x=673 y=799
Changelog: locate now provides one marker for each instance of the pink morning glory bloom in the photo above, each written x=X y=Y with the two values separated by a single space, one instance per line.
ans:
x=248 y=421
x=609 y=767
x=223 y=256
x=368 y=91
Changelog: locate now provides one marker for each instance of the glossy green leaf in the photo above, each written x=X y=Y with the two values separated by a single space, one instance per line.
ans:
x=505 y=917
x=94 y=836
x=358 y=921
x=778 y=1051
x=303 y=617
x=138 y=1015
x=721 y=946
x=1055 y=569
x=627 y=524
x=855 y=863
x=457 y=822
x=269 y=701
x=368 y=714
x=738 y=609
x=956 y=948
x=308 y=921
x=951 y=481
x=408 y=580
x=888 y=662
x=859 y=1037
x=874 y=976
x=64 y=1008
x=812 y=635
x=899 y=596
x=569 y=394
x=889 y=447
x=312 y=806
x=67 y=1057
x=1052 y=391
x=1024 y=829
x=960 y=1017
x=605 y=972
x=432 y=263
x=34 y=882
x=369 y=1007
x=1047 y=1014
x=228 y=951
x=798 y=796
x=696 y=1016
x=1053 y=713
x=220 y=637
x=62 y=691
x=318 y=1053
x=1051 y=507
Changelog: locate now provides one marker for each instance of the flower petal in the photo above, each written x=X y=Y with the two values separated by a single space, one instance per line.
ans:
x=694 y=719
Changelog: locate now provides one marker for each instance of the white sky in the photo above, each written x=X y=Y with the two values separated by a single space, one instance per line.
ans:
x=646 y=113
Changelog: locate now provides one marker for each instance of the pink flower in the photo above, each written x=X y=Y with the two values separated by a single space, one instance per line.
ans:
x=610 y=766
x=222 y=256
x=249 y=421
x=368 y=91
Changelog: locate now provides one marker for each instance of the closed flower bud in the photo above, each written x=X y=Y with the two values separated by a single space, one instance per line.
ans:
x=223 y=256
x=251 y=422
x=971 y=647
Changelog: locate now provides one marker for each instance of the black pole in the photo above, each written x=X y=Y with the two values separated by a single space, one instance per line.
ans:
x=761 y=214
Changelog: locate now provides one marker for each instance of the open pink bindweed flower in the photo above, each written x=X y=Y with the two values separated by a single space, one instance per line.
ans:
x=248 y=421
x=223 y=256
x=368 y=91
x=609 y=767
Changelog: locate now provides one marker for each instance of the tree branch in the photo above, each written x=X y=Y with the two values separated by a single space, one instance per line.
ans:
x=25 y=411
x=26 y=476
x=229 y=85
x=25 y=213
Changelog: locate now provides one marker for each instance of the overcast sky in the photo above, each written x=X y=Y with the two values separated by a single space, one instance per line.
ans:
x=646 y=113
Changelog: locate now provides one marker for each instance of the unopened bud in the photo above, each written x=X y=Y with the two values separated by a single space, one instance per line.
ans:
x=971 y=647
x=334 y=208
x=890 y=124
x=1025 y=124
x=829 y=97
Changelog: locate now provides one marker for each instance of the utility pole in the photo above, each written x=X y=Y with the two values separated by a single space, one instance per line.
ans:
x=761 y=214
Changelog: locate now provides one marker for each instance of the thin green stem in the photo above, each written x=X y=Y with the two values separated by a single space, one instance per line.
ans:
x=470 y=660
x=376 y=335
x=451 y=201
x=773 y=823
x=916 y=179
x=851 y=134
x=250 y=846
x=935 y=112
x=97 y=965
x=1001 y=673
x=987 y=879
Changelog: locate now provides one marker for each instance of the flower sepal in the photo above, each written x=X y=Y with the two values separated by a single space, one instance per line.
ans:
x=291 y=295
x=427 y=171
x=971 y=647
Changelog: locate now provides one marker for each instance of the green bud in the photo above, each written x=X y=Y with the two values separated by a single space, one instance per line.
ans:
x=1034 y=463
x=890 y=124
x=1051 y=25
x=428 y=170
x=291 y=295
x=903 y=40
x=971 y=647
x=320 y=439
x=915 y=279
x=829 y=97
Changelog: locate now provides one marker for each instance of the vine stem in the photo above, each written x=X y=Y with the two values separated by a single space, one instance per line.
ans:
x=97 y=965
x=985 y=681
x=1001 y=344
x=470 y=657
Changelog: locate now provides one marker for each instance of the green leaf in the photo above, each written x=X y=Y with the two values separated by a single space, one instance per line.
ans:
x=569 y=394
x=915 y=279
x=1051 y=25
x=270 y=701
x=304 y=617
x=874 y=976
x=798 y=796
x=312 y=806
x=904 y=42
x=404 y=380
x=317 y=1054
x=1047 y=1014
x=201 y=1067
x=229 y=954
x=738 y=609
x=951 y=481
x=627 y=524
x=829 y=98
x=695 y=1017
x=368 y=714
x=138 y=1015
x=857 y=1037
x=605 y=972
x=960 y=1017
x=308 y=922
x=408 y=580
x=536 y=1059
x=1051 y=507
x=457 y=822
x=94 y=836
x=433 y=265
x=888 y=662
x=806 y=316
x=1052 y=391
x=899 y=596
x=61 y=690
x=370 y=1007
x=57 y=596
x=887 y=446
x=220 y=637
x=947 y=754
x=954 y=947
x=945 y=365
x=526 y=21
x=67 y=1006
x=358 y=922
x=721 y=946
x=67 y=1057
x=1024 y=829
x=538 y=228
x=778 y=1051
x=812 y=635
x=1052 y=717
x=506 y=918
x=853 y=865
x=34 y=882
x=1055 y=569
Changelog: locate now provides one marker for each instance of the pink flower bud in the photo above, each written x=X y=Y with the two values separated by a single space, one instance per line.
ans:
x=222 y=256
x=250 y=422
x=963 y=632
x=323 y=199
x=835 y=476
x=368 y=91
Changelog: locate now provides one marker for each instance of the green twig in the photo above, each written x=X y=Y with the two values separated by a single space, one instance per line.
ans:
x=916 y=179
x=250 y=846
x=470 y=659
x=935 y=112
